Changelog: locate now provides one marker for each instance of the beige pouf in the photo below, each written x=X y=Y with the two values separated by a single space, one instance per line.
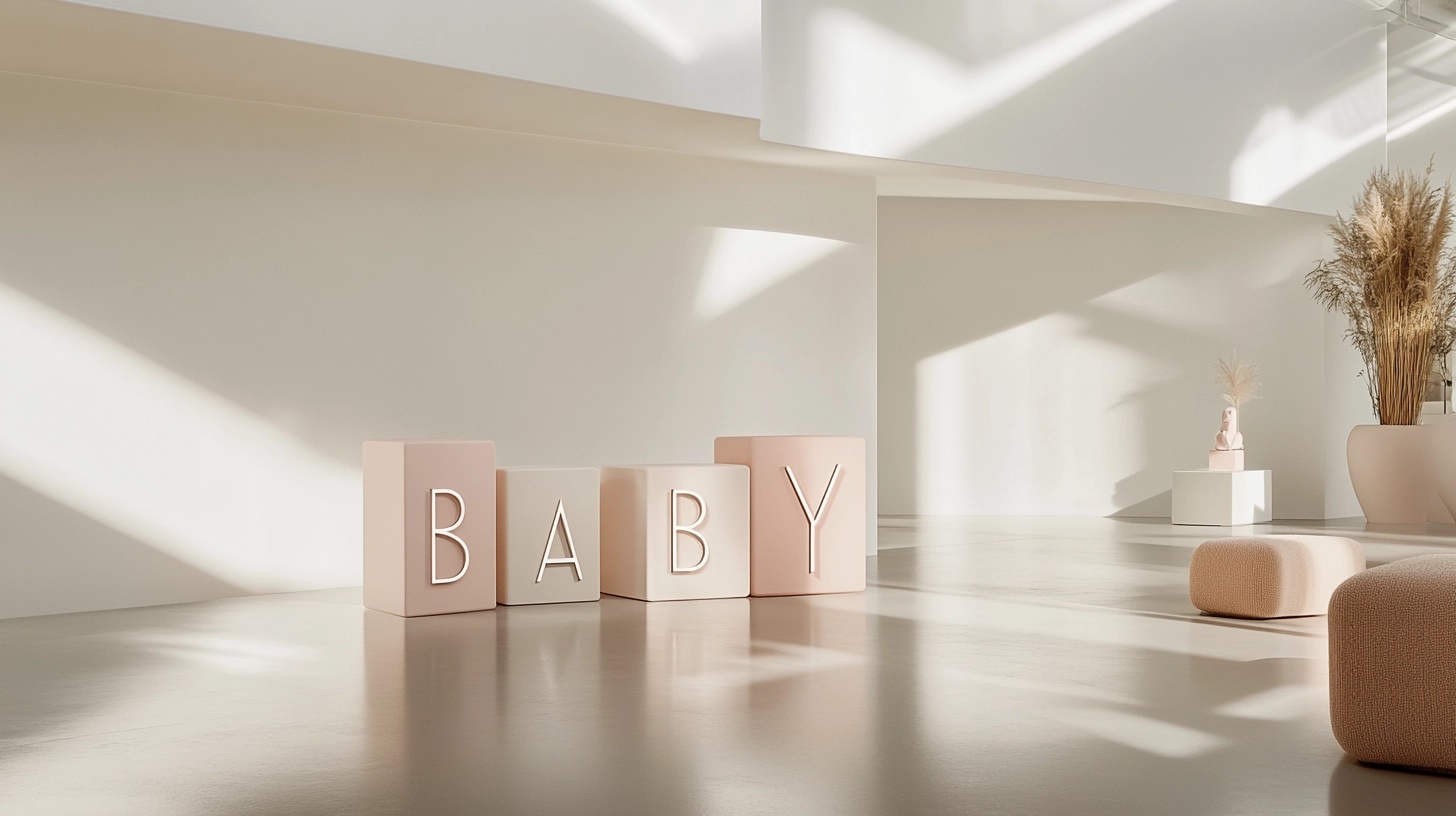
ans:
x=1277 y=576
x=1393 y=664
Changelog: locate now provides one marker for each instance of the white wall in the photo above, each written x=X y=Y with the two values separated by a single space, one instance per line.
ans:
x=205 y=306
x=1058 y=357
x=1346 y=404
x=692 y=53
x=1422 y=99
x=1257 y=101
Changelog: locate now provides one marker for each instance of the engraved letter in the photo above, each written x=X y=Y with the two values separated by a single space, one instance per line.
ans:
x=436 y=531
x=688 y=529
x=559 y=520
x=815 y=515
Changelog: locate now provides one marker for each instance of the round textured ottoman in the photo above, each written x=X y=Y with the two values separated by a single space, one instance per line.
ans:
x=1393 y=664
x=1277 y=576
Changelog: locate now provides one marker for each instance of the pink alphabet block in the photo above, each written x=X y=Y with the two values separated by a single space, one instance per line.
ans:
x=429 y=526
x=807 y=524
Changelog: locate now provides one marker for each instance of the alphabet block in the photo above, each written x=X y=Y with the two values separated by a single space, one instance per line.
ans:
x=807 y=530
x=429 y=526
x=675 y=532
x=547 y=535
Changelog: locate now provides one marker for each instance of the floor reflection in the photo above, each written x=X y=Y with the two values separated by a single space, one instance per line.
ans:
x=1024 y=674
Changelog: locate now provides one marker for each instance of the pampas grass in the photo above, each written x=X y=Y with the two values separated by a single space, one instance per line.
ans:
x=1239 y=380
x=1393 y=278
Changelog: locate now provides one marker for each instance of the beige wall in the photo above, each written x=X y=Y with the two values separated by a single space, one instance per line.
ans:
x=205 y=305
x=1057 y=357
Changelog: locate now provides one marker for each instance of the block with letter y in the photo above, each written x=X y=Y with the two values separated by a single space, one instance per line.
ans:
x=429 y=526
x=807 y=531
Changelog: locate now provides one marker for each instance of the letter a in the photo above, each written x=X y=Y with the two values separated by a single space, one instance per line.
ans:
x=546 y=560
x=814 y=516
x=436 y=531
x=688 y=529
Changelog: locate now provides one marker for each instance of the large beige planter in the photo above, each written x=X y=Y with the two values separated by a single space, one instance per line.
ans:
x=1388 y=467
x=1441 y=463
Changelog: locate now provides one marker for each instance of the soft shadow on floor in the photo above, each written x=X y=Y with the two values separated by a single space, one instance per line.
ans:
x=1360 y=790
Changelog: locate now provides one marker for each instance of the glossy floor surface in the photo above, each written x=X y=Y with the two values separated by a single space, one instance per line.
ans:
x=995 y=666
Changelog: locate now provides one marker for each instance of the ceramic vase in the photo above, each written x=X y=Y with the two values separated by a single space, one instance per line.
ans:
x=1388 y=468
x=1441 y=465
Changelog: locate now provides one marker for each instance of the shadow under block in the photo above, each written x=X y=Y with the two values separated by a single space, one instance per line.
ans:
x=675 y=532
x=807 y=511
x=429 y=526
x=547 y=535
x=1223 y=498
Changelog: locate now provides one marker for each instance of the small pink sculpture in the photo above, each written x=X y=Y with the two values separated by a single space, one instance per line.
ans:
x=1229 y=438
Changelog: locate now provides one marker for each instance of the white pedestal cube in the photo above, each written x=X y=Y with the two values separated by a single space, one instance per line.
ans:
x=547 y=535
x=675 y=532
x=1223 y=498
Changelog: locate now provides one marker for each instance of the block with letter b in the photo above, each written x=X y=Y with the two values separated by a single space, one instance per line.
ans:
x=808 y=520
x=547 y=534
x=429 y=526
x=675 y=532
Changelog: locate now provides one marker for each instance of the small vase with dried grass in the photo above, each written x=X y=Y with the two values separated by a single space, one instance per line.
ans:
x=1239 y=381
x=1395 y=281
x=1240 y=384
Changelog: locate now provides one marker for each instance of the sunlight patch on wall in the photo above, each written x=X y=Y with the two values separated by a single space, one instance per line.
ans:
x=877 y=91
x=1421 y=90
x=687 y=30
x=1029 y=418
x=1287 y=148
x=111 y=434
x=742 y=263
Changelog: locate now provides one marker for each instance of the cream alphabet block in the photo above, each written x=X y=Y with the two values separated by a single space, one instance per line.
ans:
x=675 y=532
x=547 y=535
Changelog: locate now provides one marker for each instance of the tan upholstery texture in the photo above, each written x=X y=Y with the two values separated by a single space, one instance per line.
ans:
x=1393 y=664
x=1271 y=576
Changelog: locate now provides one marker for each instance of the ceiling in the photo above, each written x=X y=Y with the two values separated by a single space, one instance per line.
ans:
x=83 y=43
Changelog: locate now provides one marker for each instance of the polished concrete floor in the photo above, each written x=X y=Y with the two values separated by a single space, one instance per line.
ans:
x=995 y=666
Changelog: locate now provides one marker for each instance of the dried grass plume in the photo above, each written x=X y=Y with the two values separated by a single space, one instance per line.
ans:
x=1392 y=277
x=1239 y=380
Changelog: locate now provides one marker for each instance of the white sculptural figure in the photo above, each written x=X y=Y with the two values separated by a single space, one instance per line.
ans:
x=1229 y=438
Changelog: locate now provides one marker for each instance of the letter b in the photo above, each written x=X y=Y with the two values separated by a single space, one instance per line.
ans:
x=679 y=529
x=436 y=531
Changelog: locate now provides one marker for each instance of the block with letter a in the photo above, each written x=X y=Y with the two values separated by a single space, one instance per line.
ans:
x=429 y=526
x=547 y=534
x=808 y=529
x=675 y=532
